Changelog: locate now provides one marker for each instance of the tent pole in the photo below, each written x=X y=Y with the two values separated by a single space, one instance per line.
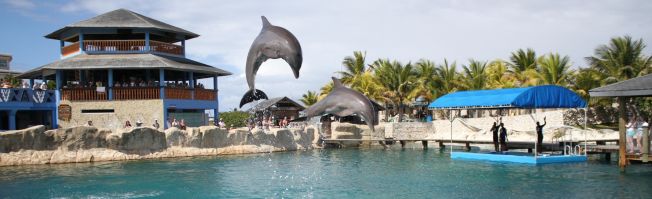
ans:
x=451 y=119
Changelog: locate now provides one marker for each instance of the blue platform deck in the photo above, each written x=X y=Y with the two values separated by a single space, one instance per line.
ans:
x=515 y=157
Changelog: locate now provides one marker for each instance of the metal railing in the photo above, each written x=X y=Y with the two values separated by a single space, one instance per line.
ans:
x=123 y=46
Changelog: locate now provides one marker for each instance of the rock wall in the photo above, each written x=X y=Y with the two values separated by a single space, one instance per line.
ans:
x=129 y=110
x=89 y=144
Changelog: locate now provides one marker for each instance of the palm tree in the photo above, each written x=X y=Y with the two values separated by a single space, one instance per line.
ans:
x=325 y=90
x=523 y=64
x=447 y=78
x=354 y=68
x=553 y=69
x=425 y=83
x=498 y=75
x=309 y=98
x=621 y=59
x=584 y=80
x=398 y=81
x=475 y=76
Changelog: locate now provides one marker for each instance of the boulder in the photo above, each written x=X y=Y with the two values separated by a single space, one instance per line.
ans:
x=31 y=138
x=80 y=137
x=138 y=140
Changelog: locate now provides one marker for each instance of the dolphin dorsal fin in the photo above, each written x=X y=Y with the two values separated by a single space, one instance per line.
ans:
x=336 y=82
x=265 y=21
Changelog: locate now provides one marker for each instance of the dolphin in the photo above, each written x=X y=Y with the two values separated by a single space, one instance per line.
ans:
x=273 y=42
x=343 y=101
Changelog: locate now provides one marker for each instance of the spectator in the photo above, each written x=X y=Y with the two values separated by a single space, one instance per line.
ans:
x=222 y=124
x=156 y=125
x=25 y=85
x=139 y=123
x=127 y=124
x=44 y=86
x=175 y=123
x=182 y=124
x=117 y=84
x=89 y=123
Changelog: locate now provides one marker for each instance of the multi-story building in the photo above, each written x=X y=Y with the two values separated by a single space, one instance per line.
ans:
x=5 y=67
x=117 y=67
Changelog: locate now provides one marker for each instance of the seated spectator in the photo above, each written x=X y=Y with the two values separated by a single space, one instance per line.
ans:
x=25 y=85
x=124 y=84
x=182 y=124
x=44 y=86
x=117 y=84
x=127 y=124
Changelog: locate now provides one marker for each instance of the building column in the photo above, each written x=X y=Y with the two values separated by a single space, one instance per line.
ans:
x=31 y=83
x=61 y=45
x=81 y=42
x=147 y=46
x=191 y=83
x=59 y=84
x=12 y=119
x=161 y=83
x=183 y=44
x=55 y=119
x=216 y=113
x=109 y=87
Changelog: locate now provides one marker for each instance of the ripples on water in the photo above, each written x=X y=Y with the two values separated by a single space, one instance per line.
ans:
x=338 y=173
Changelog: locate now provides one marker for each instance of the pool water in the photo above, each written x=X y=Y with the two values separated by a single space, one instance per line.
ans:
x=328 y=173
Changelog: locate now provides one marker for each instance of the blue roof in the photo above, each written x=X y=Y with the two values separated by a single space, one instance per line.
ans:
x=547 y=96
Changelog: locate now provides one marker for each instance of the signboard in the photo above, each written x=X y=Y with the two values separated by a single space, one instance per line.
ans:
x=65 y=112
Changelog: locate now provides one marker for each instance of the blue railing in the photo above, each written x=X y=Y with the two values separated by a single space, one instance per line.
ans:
x=27 y=97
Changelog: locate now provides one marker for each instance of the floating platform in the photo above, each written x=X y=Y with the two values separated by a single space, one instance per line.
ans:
x=515 y=157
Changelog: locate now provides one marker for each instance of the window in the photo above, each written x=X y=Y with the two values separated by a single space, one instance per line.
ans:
x=97 y=111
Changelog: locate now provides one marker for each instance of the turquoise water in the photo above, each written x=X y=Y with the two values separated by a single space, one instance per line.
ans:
x=336 y=173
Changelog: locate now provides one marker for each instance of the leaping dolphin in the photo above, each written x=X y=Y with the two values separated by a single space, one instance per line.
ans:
x=273 y=42
x=343 y=101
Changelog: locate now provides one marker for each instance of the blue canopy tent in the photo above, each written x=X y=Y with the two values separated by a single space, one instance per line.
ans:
x=536 y=97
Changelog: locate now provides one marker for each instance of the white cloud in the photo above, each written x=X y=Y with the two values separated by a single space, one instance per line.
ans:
x=403 y=30
x=21 y=4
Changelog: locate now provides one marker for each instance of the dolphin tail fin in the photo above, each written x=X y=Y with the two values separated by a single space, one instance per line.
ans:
x=252 y=95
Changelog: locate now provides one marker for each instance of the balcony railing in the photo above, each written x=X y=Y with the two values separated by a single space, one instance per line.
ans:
x=83 y=94
x=136 y=93
x=178 y=93
x=205 y=94
x=25 y=95
x=123 y=46
x=70 y=49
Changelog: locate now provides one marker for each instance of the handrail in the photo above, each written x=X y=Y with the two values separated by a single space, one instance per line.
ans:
x=205 y=94
x=27 y=95
x=128 y=93
x=123 y=46
x=83 y=94
x=70 y=49
x=178 y=93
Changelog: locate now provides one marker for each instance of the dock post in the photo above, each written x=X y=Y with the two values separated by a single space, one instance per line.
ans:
x=402 y=144
x=529 y=150
x=441 y=145
x=467 y=146
x=622 y=156
x=425 y=144
x=607 y=157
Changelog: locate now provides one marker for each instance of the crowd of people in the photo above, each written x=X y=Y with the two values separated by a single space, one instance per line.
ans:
x=266 y=121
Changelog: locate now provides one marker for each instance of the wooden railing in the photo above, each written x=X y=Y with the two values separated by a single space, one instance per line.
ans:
x=205 y=94
x=178 y=93
x=136 y=93
x=114 y=45
x=82 y=94
x=70 y=49
x=122 y=46
x=166 y=47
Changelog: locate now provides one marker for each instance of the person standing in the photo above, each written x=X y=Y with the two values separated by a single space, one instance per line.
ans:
x=539 y=130
x=503 y=137
x=494 y=132
x=156 y=125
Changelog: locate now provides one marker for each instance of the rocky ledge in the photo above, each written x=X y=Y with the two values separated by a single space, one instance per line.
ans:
x=89 y=144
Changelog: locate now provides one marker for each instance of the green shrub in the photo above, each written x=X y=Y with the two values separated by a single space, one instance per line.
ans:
x=234 y=119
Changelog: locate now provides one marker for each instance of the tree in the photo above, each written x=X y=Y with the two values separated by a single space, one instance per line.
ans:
x=523 y=64
x=309 y=98
x=425 y=80
x=446 y=78
x=398 y=80
x=475 y=77
x=621 y=59
x=553 y=69
x=354 y=68
x=325 y=90
x=498 y=75
x=584 y=80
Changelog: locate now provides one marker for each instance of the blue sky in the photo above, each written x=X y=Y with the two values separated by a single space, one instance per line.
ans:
x=330 y=30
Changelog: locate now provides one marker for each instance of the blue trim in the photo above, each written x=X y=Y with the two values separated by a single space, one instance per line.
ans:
x=522 y=158
x=161 y=82
x=110 y=86
x=147 y=41
x=183 y=44
x=81 y=41
x=12 y=119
